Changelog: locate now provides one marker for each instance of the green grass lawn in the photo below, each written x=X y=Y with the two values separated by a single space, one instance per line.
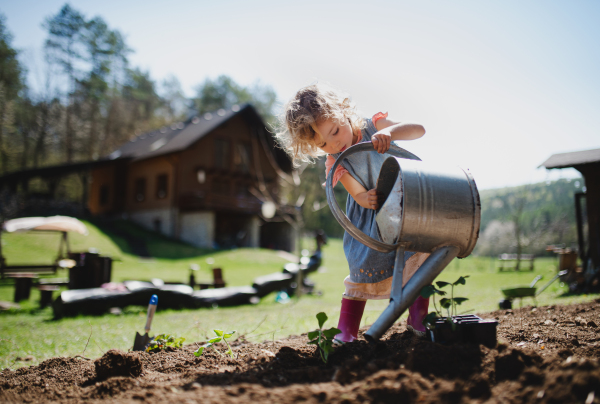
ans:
x=33 y=333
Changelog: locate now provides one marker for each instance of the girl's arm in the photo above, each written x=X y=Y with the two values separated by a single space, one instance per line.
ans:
x=389 y=130
x=366 y=199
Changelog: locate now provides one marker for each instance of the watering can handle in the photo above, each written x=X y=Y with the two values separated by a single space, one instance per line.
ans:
x=335 y=207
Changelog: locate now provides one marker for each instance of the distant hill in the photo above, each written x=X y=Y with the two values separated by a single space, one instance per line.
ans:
x=544 y=213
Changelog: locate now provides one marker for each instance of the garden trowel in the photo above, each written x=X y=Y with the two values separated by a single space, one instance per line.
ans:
x=141 y=341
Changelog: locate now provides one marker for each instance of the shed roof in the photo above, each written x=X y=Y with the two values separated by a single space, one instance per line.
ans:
x=578 y=158
x=178 y=136
x=53 y=223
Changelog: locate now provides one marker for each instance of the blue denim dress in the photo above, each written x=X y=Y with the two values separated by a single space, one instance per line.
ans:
x=366 y=265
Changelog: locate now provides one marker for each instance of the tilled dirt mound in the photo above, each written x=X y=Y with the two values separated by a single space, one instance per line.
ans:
x=545 y=355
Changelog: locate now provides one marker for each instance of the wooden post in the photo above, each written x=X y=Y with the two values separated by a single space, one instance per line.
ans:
x=218 y=280
x=299 y=283
x=23 y=284
x=2 y=261
x=579 y=219
x=46 y=294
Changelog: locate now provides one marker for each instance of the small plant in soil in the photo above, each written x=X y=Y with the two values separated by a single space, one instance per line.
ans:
x=221 y=336
x=323 y=339
x=450 y=304
x=164 y=341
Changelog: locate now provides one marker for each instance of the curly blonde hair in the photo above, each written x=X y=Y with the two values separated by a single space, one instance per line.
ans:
x=310 y=106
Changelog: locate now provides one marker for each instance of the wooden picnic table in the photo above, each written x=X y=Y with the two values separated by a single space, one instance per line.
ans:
x=510 y=258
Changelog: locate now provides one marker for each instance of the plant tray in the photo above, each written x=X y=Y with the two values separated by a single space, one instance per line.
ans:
x=467 y=328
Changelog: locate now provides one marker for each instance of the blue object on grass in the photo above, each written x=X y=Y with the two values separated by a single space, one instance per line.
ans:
x=282 y=297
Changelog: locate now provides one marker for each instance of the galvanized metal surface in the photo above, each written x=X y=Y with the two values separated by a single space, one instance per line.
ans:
x=389 y=217
x=429 y=206
x=335 y=207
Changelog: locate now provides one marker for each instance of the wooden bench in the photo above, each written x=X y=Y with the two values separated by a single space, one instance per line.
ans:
x=53 y=282
x=510 y=258
x=7 y=271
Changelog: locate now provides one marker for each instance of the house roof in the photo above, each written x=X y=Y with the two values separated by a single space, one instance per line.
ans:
x=178 y=136
x=564 y=160
x=174 y=138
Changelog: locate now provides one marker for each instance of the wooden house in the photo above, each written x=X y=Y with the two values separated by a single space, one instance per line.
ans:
x=587 y=162
x=206 y=181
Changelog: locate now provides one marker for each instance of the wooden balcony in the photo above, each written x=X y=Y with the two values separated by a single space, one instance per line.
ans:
x=219 y=202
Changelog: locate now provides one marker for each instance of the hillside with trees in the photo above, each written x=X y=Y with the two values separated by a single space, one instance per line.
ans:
x=528 y=217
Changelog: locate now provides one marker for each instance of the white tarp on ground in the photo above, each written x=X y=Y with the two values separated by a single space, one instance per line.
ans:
x=53 y=223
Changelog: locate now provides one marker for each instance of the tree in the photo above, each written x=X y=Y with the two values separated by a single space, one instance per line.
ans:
x=6 y=127
x=516 y=206
x=11 y=70
x=223 y=92
x=174 y=103
x=65 y=47
x=11 y=84
x=93 y=58
x=130 y=110
x=103 y=49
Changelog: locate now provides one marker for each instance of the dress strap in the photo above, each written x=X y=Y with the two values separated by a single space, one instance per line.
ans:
x=378 y=116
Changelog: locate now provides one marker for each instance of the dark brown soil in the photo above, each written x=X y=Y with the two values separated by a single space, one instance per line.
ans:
x=117 y=363
x=545 y=355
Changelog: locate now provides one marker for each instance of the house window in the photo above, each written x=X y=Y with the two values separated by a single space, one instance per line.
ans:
x=221 y=154
x=139 y=190
x=104 y=195
x=241 y=160
x=162 y=183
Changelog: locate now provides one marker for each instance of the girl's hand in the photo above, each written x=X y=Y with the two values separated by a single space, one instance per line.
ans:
x=381 y=141
x=373 y=199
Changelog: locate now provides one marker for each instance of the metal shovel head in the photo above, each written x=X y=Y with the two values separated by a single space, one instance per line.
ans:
x=524 y=291
x=140 y=342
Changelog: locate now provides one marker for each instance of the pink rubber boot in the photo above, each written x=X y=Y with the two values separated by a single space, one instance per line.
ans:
x=350 y=316
x=416 y=314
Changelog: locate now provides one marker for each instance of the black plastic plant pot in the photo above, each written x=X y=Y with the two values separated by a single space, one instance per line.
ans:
x=467 y=328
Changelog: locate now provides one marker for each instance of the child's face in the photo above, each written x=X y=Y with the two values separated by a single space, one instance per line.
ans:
x=335 y=137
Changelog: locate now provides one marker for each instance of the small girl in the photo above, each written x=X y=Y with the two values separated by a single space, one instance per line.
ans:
x=319 y=120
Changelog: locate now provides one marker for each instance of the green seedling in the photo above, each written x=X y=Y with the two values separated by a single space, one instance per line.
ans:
x=451 y=304
x=221 y=336
x=163 y=341
x=323 y=339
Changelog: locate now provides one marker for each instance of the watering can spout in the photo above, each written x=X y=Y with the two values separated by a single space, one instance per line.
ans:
x=402 y=297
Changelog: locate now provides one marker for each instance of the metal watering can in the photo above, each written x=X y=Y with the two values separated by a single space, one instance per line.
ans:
x=425 y=209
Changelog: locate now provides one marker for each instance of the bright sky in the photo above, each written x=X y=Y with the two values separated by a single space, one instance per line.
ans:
x=499 y=85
